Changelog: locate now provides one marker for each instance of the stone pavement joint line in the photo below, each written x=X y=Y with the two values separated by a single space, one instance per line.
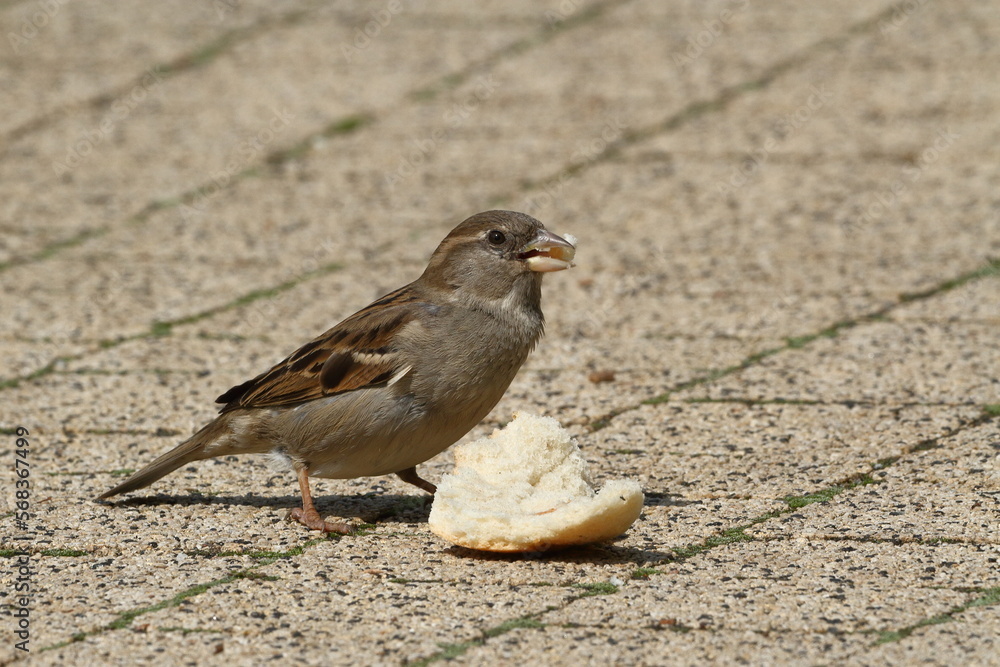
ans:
x=336 y=127
x=198 y=57
x=574 y=20
x=57 y=553
x=165 y=328
x=340 y=126
x=986 y=598
x=845 y=402
x=725 y=97
x=125 y=618
x=450 y=651
x=991 y=268
x=55 y=248
x=738 y=534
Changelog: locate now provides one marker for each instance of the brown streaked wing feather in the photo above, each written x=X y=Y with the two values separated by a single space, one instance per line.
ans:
x=356 y=353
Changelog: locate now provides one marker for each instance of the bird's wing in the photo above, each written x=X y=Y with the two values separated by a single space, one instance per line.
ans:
x=362 y=351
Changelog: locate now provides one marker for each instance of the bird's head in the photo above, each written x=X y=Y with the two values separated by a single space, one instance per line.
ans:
x=495 y=252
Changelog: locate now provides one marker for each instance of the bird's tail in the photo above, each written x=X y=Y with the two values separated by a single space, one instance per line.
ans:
x=192 y=449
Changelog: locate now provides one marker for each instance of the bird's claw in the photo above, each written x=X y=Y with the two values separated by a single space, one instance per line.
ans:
x=312 y=520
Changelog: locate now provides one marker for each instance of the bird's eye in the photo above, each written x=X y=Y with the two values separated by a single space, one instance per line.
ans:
x=496 y=237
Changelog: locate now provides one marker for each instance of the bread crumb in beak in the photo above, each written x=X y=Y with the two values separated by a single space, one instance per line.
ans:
x=550 y=254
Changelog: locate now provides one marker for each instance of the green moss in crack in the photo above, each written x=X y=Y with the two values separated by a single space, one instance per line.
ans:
x=525 y=622
x=362 y=529
x=338 y=127
x=992 y=268
x=644 y=573
x=160 y=329
x=64 y=553
x=934 y=541
x=822 y=496
x=795 y=502
x=991 y=410
x=603 y=422
x=599 y=424
x=448 y=652
x=599 y=588
x=656 y=400
x=798 y=342
x=451 y=651
x=988 y=597
x=731 y=536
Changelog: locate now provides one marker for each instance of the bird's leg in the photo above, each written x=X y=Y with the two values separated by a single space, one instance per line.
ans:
x=307 y=514
x=410 y=476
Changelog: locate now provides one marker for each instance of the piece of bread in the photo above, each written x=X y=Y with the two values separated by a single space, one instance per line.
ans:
x=526 y=488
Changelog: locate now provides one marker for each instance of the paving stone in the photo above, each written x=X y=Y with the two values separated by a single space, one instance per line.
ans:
x=84 y=593
x=731 y=450
x=657 y=645
x=880 y=362
x=947 y=492
x=813 y=587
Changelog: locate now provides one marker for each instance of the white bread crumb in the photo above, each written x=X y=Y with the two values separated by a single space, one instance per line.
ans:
x=526 y=488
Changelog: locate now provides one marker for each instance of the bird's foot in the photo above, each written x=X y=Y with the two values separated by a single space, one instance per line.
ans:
x=410 y=476
x=311 y=519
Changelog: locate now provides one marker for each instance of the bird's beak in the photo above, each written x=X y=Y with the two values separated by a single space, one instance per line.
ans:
x=548 y=252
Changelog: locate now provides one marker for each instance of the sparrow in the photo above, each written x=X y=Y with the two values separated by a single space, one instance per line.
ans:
x=402 y=379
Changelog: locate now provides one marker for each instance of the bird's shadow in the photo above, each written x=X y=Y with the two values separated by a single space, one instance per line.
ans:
x=368 y=507
x=376 y=507
x=594 y=554
x=654 y=499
